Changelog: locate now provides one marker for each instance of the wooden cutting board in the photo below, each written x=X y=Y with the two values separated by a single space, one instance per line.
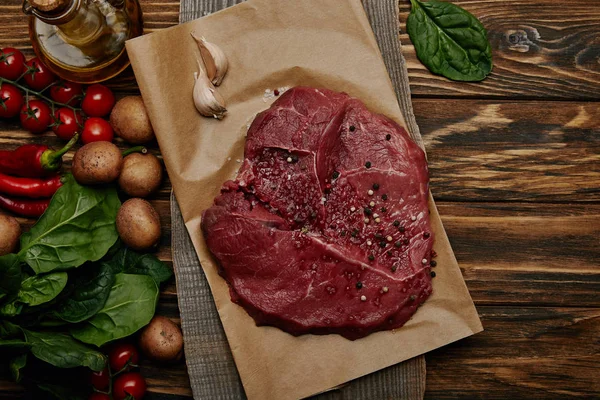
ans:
x=209 y=361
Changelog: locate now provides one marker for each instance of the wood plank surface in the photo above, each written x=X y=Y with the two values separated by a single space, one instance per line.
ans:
x=538 y=151
x=524 y=353
x=515 y=174
x=542 y=49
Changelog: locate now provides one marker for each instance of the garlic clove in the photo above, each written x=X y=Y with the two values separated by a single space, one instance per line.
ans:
x=207 y=99
x=214 y=59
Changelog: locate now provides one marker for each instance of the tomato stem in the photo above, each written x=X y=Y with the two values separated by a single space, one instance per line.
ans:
x=38 y=94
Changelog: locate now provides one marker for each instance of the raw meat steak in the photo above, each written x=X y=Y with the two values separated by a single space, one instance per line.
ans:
x=326 y=227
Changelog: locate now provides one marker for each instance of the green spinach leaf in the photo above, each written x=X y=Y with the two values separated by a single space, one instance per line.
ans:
x=449 y=40
x=13 y=345
x=130 y=306
x=10 y=274
x=78 y=226
x=11 y=309
x=8 y=330
x=12 y=340
x=131 y=262
x=63 y=351
x=91 y=287
x=16 y=367
x=40 y=289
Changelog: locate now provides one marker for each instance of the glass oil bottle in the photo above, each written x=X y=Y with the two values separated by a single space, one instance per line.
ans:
x=83 y=40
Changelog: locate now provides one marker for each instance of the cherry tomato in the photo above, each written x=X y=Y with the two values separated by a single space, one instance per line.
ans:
x=36 y=118
x=66 y=92
x=129 y=383
x=122 y=353
x=98 y=101
x=11 y=101
x=97 y=130
x=38 y=76
x=12 y=63
x=66 y=123
x=99 y=396
x=100 y=380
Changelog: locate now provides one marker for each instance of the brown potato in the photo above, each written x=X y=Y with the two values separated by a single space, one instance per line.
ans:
x=141 y=174
x=138 y=224
x=162 y=340
x=130 y=120
x=96 y=163
x=10 y=231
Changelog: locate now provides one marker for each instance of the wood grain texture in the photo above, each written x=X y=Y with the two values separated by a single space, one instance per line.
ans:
x=384 y=12
x=517 y=186
x=209 y=361
x=541 y=49
x=538 y=151
x=524 y=353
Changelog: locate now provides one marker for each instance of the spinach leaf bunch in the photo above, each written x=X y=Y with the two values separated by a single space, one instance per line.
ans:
x=73 y=288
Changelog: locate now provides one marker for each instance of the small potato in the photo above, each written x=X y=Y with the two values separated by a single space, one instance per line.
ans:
x=10 y=231
x=97 y=163
x=138 y=224
x=130 y=120
x=161 y=340
x=141 y=174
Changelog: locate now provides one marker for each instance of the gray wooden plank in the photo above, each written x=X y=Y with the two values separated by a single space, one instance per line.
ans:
x=209 y=361
x=383 y=16
x=208 y=357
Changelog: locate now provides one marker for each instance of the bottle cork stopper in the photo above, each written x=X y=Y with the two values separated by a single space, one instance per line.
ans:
x=49 y=5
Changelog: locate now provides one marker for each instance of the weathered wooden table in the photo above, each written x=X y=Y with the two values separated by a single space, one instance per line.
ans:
x=515 y=170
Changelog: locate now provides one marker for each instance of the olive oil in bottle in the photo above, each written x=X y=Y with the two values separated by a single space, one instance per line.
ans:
x=83 y=40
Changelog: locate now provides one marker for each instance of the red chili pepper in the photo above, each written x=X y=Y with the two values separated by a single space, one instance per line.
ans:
x=29 y=187
x=24 y=207
x=33 y=160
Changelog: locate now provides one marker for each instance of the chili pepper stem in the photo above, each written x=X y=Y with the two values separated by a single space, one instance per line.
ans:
x=52 y=159
x=136 y=149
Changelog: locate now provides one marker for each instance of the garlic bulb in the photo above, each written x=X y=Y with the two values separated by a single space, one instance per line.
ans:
x=214 y=59
x=206 y=98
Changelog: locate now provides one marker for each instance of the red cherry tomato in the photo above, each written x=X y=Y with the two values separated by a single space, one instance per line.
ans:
x=66 y=123
x=36 y=118
x=38 y=76
x=100 y=380
x=66 y=92
x=98 y=101
x=11 y=101
x=99 y=396
x=97 y=130
x=129 y=383
x=121 y=354
x=12 y=63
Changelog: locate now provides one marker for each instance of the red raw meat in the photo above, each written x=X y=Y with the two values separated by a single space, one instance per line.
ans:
x=326 y=227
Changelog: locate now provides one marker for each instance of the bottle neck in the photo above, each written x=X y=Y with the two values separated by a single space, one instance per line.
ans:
x=59 y=17
x=79 y=23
